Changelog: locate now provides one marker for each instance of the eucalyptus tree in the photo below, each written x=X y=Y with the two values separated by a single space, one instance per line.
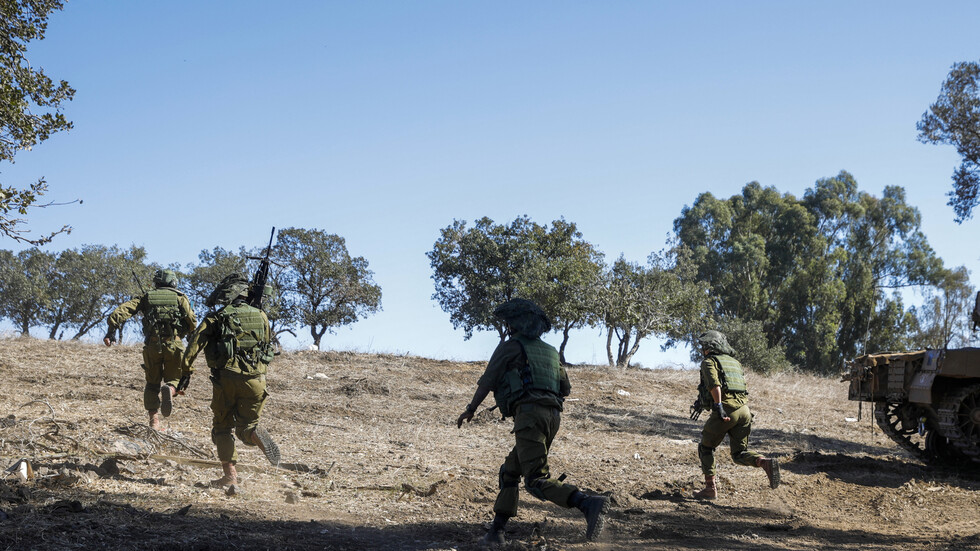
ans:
x=822 y=274
x=944 y=317
x=954 y=119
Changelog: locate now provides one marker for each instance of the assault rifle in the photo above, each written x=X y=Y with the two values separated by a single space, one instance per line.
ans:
x=696 y=409
x=256 y=289
x=138 y=283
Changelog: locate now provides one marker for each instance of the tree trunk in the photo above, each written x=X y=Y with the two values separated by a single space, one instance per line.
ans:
x=317 y=335
x=564 y=341
x=622 y=358
x=609 y=354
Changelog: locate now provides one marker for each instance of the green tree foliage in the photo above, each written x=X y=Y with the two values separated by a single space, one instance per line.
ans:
x=25 y=278
x=944 y=317
x=663 y=298
x=30 y=107
x=329 y=287
x=200 y=279
x=88 y=283
x=822 y=275
x=572 y=282
x=955 y=120
x=476 y=269
x=215 y=264
x=752 y=348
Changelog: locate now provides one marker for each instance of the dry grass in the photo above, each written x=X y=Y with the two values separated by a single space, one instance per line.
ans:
x=373 y=460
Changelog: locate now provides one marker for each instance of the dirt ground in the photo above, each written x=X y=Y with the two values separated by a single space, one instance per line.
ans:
x=372 y=459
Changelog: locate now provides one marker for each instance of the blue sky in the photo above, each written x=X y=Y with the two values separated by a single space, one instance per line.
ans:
x=203 y=124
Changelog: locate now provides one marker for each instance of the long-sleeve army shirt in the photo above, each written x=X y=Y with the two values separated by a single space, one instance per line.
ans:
x=711 y=378
x=139 y=305
x=510 y=355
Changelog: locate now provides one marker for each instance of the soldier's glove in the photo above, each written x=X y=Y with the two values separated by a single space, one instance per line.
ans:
x=720 y=409
x=109 y=338
x=465 y=416
x=183 y=383
x=696 y=409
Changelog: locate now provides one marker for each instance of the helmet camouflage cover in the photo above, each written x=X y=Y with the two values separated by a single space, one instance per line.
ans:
x=524 y=317
x=165 y=278
x=716 y=342
x=231 y=287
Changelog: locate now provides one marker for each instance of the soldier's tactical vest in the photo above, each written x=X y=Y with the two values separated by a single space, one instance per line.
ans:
x=732 y=379
x=242 y=344
x=162 y=318
x=542 y=371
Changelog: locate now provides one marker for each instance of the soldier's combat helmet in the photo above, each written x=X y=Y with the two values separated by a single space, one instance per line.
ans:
x=524 y=317
x=715 y=341
x=165 y=278
x=230 y=288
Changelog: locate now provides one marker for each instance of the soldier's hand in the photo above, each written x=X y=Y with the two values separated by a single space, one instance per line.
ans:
x=109 y=339
x=465 y=416
x=185 y=381
x=720 y=409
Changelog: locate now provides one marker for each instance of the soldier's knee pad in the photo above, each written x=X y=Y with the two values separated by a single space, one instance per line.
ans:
x=705 y=451
x=534 y=487
x=504 y=480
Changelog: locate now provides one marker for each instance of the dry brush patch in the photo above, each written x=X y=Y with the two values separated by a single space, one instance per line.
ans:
x=372 y=459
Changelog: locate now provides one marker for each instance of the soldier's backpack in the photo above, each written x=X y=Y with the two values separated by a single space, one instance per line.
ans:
x=163 y=318
x=241 y=345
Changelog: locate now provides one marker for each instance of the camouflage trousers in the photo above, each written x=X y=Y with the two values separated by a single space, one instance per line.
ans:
x=236 y=402
x=535 y=427
x=737 y=430
x=161 y=364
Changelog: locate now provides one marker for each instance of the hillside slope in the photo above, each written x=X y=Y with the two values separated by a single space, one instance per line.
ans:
x=373 y=460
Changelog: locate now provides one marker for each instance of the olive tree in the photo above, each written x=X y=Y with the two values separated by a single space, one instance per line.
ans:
x=25 y=278
x=477 y=268
x=329 y=288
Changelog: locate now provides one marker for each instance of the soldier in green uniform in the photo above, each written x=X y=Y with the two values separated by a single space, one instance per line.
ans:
x=722 y=391
x=530 y=385
x=237 y=344
x=167 y=318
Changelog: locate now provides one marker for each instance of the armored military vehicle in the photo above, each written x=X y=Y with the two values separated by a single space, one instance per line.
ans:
x=928 y=401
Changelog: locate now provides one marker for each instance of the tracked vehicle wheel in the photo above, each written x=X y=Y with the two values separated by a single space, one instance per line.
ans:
x=898 y=422
x=959 y=420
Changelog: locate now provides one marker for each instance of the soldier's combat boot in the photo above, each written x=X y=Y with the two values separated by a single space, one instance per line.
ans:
x=594 y=508
x=771 y=466
x=154 y=419
x=261 y=438
x=166 y=400
x=495 y=536
x=230 y=477
x=710 y=491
